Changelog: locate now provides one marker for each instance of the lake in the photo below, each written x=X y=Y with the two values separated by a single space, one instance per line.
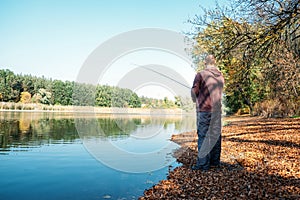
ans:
x=47 y=155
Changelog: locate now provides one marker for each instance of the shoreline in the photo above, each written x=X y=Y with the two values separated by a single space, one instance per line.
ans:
x=41 y=108
x=253 y=150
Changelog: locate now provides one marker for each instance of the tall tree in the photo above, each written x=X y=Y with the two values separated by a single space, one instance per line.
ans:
x=257 y=42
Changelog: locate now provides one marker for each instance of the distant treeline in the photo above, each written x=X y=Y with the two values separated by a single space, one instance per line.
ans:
x=31 y=89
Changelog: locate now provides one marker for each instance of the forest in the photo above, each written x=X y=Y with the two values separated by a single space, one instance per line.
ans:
x=25 y=89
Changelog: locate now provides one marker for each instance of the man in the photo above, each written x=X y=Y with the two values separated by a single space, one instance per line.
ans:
x=207 y=93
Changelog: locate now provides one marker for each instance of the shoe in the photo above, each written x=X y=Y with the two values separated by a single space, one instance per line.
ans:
x=197 y=167
x=215 y=166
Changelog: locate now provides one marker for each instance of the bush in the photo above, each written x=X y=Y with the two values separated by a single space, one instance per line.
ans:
x=276 y=108
x=25 y=97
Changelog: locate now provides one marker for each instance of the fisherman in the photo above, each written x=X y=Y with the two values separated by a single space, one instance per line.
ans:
x=207 y=93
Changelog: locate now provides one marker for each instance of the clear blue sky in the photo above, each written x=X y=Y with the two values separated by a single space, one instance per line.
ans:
x=54 y=37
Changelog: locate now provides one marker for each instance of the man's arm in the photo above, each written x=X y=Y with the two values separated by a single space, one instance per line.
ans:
x=195 y=87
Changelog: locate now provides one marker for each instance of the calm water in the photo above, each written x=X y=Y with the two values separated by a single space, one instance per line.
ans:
x=61 y=156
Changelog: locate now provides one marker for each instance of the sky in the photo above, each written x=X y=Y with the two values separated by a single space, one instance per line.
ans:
x=53 y=38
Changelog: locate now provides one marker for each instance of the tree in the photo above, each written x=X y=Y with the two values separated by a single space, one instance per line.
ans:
x=62 y=92
x=25 y=97
x=103 y=96
x=134 y=101
x=4 y=88
x=84 y=94
x=43 y=96
x=257 y=42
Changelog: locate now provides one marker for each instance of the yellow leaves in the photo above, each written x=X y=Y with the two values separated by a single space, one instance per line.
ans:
x=233 y=60
x=25 y=97
x=268 y=150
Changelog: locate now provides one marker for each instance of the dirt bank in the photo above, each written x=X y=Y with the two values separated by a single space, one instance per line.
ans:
x=260 y=157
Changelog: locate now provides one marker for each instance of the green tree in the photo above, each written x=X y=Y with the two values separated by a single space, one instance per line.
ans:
x=44 y=96
x=62 y=92
x=134 y=101
x=103 y=96
x=84 y=94
x=5 y=89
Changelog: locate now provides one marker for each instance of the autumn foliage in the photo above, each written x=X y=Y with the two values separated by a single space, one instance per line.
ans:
x=260 y=159
x=257 y=44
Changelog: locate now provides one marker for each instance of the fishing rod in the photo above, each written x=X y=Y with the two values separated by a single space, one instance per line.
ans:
x=159 y=73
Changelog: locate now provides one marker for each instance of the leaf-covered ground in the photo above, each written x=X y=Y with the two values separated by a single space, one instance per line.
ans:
x=260 y=160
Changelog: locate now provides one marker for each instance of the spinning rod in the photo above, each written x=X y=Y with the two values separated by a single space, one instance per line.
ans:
x=161 y=74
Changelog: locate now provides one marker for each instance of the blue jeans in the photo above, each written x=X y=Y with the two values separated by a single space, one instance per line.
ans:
x=209 y=129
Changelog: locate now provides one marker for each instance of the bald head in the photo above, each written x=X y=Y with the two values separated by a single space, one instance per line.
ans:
x=210 y=60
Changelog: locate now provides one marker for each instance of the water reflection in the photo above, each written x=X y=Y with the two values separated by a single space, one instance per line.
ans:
x=129 y=143
x=34 y=129
x=143 y=143
x=44 y=151
x=29 y=129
